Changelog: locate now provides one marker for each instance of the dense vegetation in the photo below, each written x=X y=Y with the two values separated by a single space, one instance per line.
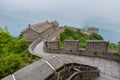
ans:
x=13 y=53
x=70 y=34
x=112 y=47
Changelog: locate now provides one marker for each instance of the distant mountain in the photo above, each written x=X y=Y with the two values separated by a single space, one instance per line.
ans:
x=110 y=35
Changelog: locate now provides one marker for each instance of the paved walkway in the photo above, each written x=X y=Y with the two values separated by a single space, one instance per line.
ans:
x=110 y=70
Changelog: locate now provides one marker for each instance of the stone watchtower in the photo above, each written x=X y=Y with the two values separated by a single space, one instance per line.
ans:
x=93 y=30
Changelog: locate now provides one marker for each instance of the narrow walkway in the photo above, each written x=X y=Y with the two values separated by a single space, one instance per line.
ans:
x=110 y=70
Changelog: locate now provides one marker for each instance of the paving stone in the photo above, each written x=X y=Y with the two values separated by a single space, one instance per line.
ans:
x=108 y=69
x=65 y=60
x=80 y=62
x=102 y=69
x=96 y=61
x=107 y=77
x=108 y=64
x=108 y=72
x=96 y=64
x=56 y=62
x=102 y=62
x=90 y=60
x=114 y=63
x=115 y=68
x=116 y=74
x=83 y=59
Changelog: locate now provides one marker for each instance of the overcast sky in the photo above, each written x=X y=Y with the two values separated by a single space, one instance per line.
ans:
x=17 y=14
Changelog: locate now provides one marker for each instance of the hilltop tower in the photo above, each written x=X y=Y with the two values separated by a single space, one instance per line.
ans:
x=93 y=30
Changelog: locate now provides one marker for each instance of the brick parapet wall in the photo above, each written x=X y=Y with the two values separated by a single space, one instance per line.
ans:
x=55 y=68
x=97 y=46
x=93 y=48
x=32 y=46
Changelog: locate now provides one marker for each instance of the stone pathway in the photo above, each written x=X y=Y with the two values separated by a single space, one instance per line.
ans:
x=110 y=70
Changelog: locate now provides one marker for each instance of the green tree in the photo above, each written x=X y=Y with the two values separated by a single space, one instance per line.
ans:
x=13 y=53
x=95 y=36
x=70 y=34
x=112 y=47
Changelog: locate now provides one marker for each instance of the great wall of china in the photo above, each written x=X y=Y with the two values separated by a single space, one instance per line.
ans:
x=70 y=62
x=94 y=48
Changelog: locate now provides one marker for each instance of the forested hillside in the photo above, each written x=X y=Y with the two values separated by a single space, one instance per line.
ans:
x=13 y=53
x=70 y=34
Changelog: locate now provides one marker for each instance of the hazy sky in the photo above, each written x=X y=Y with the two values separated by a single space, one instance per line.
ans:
x=17 y=14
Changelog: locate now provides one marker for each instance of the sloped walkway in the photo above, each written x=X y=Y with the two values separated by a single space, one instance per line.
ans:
x=109 y=70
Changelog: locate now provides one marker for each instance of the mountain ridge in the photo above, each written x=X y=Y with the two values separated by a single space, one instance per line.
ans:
x=112 y=36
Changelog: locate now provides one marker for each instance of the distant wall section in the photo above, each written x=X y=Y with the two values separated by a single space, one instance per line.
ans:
x=94 y=48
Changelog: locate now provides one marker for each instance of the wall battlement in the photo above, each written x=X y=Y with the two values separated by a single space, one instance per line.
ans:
x=94 y=48
x=97 y=46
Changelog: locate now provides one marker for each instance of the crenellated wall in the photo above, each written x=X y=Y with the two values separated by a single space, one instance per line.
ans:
x=94 y=48
x=53 y=45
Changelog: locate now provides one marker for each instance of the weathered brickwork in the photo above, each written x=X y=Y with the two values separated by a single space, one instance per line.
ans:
x=71 y=45
x=94 y=48
x=53 y=45
x=97 y=46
